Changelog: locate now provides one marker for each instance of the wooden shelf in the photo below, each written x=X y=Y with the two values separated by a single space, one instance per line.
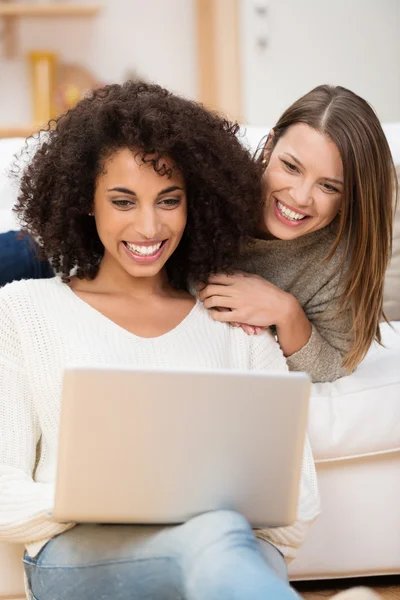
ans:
x=66 y=9
x=11 y=10
x=22 y=131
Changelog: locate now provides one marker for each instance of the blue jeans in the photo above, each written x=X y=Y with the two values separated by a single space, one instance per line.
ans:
x=214 y=556
x=19 y=260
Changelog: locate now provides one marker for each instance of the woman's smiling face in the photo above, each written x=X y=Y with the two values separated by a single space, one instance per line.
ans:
x=140 y=214
x=304 y=183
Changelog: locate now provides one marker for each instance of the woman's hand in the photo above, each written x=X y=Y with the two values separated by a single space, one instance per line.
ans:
x=250 y=300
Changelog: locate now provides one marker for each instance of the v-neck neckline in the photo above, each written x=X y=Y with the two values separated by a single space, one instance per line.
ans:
x=186 y=321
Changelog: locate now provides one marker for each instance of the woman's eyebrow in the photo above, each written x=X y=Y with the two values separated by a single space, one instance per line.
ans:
x=122 y=190
x=338 y=181
x=167 y=190
x=332 y=179
x=293 y=157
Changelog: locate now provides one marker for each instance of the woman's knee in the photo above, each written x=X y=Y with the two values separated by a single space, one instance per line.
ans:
x=221 y=526
x=222 y=520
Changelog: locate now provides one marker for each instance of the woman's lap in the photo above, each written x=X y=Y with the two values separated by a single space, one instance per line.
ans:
x=127 y=562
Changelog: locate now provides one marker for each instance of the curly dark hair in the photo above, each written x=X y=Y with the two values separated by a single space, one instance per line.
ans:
x=223 y=182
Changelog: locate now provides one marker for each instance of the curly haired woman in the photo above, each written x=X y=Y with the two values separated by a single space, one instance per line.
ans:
x=132 y=194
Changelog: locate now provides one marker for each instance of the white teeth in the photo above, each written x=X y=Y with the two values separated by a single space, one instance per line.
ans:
x=289 y=213
x=143 y=250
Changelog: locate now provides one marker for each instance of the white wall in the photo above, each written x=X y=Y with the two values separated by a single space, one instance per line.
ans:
x=155 y=38
x=353 y=43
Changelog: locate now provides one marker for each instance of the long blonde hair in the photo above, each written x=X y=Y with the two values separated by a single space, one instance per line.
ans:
x=369 y=200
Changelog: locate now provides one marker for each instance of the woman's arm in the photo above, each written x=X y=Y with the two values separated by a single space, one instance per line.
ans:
x=313 y=338
x=331 y=337
x=253 y=301
x=25 y=505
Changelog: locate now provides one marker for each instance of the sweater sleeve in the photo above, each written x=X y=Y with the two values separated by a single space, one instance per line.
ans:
x=330 y=340
x=266 y=354
x=25 y=505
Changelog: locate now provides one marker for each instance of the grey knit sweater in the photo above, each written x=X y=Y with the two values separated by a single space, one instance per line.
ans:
x=297 y=267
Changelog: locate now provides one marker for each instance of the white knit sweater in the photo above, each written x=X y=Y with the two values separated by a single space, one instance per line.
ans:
x=44 y=327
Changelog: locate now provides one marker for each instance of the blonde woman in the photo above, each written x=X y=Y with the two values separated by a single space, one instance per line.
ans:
x=315 y=270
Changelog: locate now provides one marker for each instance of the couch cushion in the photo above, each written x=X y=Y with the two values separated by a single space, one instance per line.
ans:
x=391 y=303
x=360 y=415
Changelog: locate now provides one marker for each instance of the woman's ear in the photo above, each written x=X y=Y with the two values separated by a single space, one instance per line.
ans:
x=269 y=146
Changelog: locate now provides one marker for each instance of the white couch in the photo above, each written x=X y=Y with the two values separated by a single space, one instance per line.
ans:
x=354 y=429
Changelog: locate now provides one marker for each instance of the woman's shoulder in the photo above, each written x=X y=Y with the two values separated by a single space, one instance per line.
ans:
x=255 y=352
x=23 y=305
x=29 y=292
x=26 y=287
x=285 y=262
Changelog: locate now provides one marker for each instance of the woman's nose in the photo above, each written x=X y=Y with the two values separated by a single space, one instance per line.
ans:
x=302 y=193
x=147 y=224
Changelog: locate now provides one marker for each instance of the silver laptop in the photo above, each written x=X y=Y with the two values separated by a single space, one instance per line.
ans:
x=161 y=446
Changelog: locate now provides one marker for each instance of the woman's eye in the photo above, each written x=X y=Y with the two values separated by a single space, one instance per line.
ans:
x=170 y=202
x=122 y=203
x=290 y=165
x=330 y=188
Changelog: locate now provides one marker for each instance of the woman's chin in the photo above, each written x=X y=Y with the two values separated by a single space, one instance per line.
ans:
x=281 y=232
x=138 y=271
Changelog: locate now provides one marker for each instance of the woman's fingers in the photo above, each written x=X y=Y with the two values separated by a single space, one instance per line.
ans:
x=258 y=330
x=249 y=329
x=226 y=317
x=212 y=290
x=221 y=316
x=219 y=301
x=200 y=285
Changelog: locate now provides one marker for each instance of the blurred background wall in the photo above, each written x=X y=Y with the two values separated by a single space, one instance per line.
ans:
x=154 y=39
x=250 y=58
x=290 y=46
